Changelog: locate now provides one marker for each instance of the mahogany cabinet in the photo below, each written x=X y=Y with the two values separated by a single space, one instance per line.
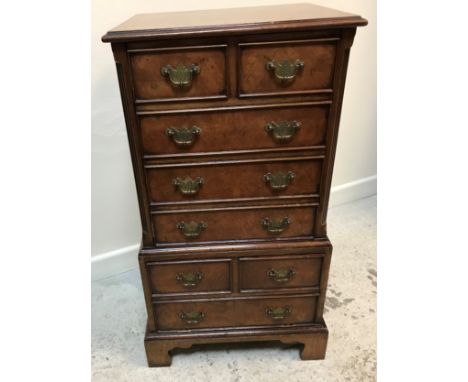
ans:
x=232 y=119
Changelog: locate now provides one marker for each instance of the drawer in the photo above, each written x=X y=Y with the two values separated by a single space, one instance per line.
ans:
x=235 y=312
x=179 y=73
x=234 y=223
x=230 y=180
x=297 y=67
x=241 y=129
x=266 y=273
x=168 y=277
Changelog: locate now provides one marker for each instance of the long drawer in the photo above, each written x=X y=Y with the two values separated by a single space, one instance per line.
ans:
x=215 y=130
x=235 y=312
x=228 y=179
x=272 y=222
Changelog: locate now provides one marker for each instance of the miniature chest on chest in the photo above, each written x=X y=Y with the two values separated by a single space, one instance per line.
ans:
x=232 y=119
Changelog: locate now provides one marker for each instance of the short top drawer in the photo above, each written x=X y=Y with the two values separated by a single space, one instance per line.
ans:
x=179 y=73
x=295 y=67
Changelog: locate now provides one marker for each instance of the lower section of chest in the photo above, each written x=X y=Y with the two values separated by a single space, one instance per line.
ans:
x=270 y=292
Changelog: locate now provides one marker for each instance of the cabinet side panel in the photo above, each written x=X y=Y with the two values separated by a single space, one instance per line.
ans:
x=341 y=66
x=123 y=73
x=145 y=279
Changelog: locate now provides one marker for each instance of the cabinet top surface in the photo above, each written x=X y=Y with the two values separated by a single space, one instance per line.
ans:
x=219 y=21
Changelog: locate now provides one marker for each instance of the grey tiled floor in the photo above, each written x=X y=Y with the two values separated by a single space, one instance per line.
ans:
x=118 y=322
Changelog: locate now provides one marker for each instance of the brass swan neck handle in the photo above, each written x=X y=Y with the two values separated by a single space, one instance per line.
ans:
x=281 y=275
x=192 y=229
x=189 y=279
x=285 y=71
x=275 y=226
x=181 y=76
x=183 y=136
x=282 y=131
x=279 y=181
x=278 y=313
x=192 y=318
x=188 y=186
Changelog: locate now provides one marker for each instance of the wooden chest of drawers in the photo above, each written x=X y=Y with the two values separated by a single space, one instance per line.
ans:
x=232 y=118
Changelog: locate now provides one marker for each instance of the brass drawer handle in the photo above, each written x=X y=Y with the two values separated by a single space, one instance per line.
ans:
x=189 y=279
x=192 y=317
x=278 y=313
x=279 y=181
x=275 y=226
x=184 y=136
x=191 y=229
x=180 y=76
x=282 y=131
x=285 y=71
x=188 y=186
x=281 y=275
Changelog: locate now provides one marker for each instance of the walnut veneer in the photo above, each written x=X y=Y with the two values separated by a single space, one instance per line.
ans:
x=232 y=119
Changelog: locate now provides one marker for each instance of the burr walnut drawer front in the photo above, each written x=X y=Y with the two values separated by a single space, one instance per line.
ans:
x=295 y=67
x=179 y=73
x=234 y=223
x=235 y=312
x=266 y=273
x=182 y=277
x=229 y=179
x=241 y=129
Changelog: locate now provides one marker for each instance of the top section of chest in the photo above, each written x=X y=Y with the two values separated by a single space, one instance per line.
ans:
x=233 y=54
x=233 y=21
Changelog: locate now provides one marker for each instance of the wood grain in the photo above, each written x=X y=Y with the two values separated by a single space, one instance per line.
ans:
x=150 y=84
x=253 y=274
x=233 y=130
x=215 y=276
x=234 y=181
x=312 y=340
x=229 y=21
x=317 y=74
x=237 y=224
x=232 y=312
x=231 y=100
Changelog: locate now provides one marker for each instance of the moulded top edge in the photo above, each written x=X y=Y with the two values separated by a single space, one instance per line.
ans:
x=228 y=21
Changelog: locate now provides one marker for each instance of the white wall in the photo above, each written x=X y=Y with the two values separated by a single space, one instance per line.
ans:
x=115 y=221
